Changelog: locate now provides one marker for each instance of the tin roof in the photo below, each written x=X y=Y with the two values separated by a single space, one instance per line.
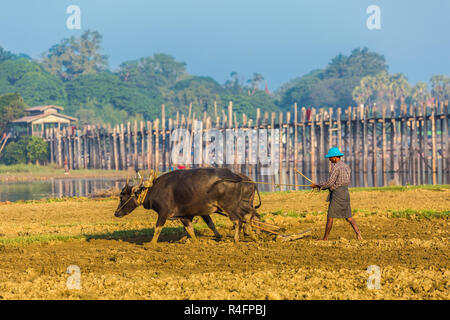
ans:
x=28 y=119
x=43 y=108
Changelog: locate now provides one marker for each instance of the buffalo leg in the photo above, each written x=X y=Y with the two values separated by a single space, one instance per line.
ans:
x=189 y=228
x=211 y=225
x=248 y=227
x=237 y=229
x=159 y=225
x=256 y=218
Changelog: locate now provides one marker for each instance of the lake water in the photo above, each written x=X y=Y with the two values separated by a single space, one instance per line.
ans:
x=56 y=188
x=82 y=187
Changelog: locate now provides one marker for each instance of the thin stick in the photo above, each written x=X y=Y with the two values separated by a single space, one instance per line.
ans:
x=303 y=175
x=4 y=142
x=267 y=224
x=278 y=184
x=270 y=231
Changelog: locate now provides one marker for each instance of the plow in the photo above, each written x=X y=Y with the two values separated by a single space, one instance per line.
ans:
x=276 y=230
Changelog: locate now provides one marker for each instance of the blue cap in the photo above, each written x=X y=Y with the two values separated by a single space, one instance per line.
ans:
x=334 y=152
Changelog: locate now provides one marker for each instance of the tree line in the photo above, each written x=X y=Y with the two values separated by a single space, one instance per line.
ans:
x=74 y=74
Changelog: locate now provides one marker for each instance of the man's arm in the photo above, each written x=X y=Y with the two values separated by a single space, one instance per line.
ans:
x=331 y=180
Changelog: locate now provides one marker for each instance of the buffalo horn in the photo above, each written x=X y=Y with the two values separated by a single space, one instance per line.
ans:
x=141 y=183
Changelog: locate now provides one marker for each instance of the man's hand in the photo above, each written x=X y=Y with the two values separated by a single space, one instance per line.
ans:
x=313 y=185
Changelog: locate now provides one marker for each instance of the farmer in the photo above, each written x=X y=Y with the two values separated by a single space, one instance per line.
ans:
x=339 y=197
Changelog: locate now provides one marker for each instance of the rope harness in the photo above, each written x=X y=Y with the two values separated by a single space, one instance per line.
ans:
x=141 y=194
x=141 y=197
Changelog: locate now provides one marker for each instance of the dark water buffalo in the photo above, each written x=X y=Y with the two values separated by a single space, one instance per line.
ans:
x=184 y=194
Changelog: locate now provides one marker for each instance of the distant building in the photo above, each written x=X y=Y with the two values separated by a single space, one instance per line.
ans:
x=40 y=118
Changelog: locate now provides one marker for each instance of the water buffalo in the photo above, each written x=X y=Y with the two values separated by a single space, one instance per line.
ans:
x=184 y=194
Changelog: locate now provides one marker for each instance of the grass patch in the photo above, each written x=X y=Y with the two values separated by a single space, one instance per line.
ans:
x=66 y=199
x=78 y=224
x=24 y=240
x=50 y=169
x=28 y=172
x=365 y=213
x=292 y=213
x=29 y=168
x=124 y=235
x=439 y=187
x=408 y=213
x=115 y=235
x=421 y=214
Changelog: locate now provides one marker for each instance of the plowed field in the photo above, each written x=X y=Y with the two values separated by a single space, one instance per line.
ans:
x=406 y=233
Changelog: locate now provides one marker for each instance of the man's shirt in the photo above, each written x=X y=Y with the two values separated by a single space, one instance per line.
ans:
x=339 y=176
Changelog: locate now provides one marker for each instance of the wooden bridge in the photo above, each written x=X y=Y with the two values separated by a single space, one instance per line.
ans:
x=410 y=145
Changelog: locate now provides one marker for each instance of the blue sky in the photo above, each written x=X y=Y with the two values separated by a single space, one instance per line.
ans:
x=280 y=39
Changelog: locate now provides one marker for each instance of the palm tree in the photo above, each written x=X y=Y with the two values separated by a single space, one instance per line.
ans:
x=420 y=93
x=399 y=87
x=255 y=82
x=362 y=93
x=440 y=87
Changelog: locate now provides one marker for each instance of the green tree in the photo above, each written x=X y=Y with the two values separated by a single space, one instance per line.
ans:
x=39 y=88
x=114 y=116
x=107 y=88
x=13 y=153
x=86 y=116
x=200 y=91
x=7 y=55
x=95 y=112
x=440 y=87
x=299 y=90
x=399 y=87
x=360 y=63
x=73 y=57
x=159 y=70
x=333 y=92
x=25 y=150
x=364 y=93
x=34 y=84
x=233 y=85
x=243 y=103
x=383 y=89
x=12 y=107
x=334 y=85
x=12 y=71
x=419 y=93
x=254 y=82
x=36 y=149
